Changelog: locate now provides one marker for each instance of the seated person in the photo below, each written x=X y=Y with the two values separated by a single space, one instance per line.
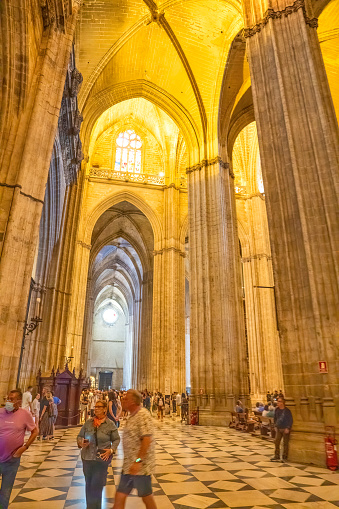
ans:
x=271 y=410
x=256 y=408
x=239 y=409
x=261 y=407
x=265 y=411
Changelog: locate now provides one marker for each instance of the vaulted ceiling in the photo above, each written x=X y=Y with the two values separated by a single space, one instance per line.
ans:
x=178 y=49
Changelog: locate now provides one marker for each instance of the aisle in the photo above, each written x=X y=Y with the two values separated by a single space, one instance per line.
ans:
x=197 y=467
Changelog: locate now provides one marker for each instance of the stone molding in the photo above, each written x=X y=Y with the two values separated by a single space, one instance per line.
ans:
x=272 y=14
x=55 y=12
x=209 y=162
x=256 y=257
x=14 y=186
x=183 y=185
x=165 y=250
x=250 y=196
x=83 y=244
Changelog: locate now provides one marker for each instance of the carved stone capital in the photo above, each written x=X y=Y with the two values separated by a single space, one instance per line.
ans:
x=164 y=250
x=209 y=162
x=272 y=14
x=83 y=244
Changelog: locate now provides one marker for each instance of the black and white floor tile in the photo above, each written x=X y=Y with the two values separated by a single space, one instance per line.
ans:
x=197 y=467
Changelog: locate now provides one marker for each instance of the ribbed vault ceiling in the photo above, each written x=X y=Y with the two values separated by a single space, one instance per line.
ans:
x=122 y=242
x=178 y=47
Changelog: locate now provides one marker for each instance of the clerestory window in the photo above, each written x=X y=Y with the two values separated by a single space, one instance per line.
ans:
x=128 y=152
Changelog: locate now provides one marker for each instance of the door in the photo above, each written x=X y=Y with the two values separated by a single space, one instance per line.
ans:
x=105 y=380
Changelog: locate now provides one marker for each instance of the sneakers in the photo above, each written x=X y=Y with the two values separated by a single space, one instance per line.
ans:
x=275 y=458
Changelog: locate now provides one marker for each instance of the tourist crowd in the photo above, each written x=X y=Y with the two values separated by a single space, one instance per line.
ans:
x=101 y=413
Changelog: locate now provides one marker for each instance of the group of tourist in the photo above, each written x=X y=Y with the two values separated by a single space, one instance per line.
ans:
x=89 y=398
x=99 y=438
x=282 y=416
x=44 y=410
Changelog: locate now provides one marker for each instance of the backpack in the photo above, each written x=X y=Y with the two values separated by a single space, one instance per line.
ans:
x=160 y=402
x=52 y=409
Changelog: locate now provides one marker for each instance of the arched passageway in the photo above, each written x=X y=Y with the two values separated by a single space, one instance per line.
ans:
x=117 y=338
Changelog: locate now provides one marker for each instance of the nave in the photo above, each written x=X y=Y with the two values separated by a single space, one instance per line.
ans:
x=197 y=467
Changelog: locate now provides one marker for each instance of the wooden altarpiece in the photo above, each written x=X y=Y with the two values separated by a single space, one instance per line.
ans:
x=67 y=387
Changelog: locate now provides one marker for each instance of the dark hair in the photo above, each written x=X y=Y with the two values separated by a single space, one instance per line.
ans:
x=29 y=387
x=16 y=391
x=266 y=407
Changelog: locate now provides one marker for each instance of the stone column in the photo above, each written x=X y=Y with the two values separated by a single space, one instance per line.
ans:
x=168 y=327
x=298 y=140
x=218 y=346
x=26 y=148
x=262 y=328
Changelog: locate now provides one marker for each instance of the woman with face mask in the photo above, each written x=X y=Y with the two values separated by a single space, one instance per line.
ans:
x=98 y=440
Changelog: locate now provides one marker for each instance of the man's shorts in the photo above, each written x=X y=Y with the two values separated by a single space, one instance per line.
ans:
x=142 y=483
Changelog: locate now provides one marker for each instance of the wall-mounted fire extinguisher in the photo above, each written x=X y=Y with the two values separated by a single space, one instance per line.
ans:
x=331 y=448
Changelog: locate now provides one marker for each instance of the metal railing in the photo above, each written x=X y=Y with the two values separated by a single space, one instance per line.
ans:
x=138 y=178
x=125 y=176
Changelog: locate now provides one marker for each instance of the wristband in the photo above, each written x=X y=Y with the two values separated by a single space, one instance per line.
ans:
x=138 y=460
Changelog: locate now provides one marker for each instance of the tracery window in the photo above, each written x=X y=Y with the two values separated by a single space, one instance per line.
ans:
x=128 y=152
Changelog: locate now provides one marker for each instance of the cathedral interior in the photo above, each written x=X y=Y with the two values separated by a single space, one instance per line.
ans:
x=169 y=201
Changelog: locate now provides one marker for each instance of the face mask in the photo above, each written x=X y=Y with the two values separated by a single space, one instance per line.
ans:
x=9 y=406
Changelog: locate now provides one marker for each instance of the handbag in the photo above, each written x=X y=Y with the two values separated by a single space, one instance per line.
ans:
x=101 y=451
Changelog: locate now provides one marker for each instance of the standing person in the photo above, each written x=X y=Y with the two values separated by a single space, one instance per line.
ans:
x=174 y=403
x=46 y=417
x=98 y=440
x=178 y=403
x=36 y=408
x=14 y=421
x=139 y=455
x=161 y=405
x=56 y=402
x=283 y=421
x=184 y=407
x=84 y=405
x=92 y=403
x=27 y=399
x=114 y=408
x=148 y=402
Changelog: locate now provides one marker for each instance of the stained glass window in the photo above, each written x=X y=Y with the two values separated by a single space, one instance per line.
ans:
x=128 y=152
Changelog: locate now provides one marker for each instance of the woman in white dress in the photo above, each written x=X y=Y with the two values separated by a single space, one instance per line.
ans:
x=36 y=408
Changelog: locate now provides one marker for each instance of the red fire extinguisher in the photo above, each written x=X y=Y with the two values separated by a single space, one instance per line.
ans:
x=331 y=448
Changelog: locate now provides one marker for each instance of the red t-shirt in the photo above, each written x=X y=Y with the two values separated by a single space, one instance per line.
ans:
x=12 y=431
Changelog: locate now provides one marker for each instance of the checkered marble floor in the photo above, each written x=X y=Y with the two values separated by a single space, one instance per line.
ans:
x=197 y=467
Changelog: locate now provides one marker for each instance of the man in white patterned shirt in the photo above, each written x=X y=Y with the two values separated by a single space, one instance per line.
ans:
x=139 y=453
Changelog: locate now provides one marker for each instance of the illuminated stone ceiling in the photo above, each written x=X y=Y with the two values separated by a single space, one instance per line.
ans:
x=175 y=50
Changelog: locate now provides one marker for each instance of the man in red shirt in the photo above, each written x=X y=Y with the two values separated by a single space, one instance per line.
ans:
x=14 y=422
